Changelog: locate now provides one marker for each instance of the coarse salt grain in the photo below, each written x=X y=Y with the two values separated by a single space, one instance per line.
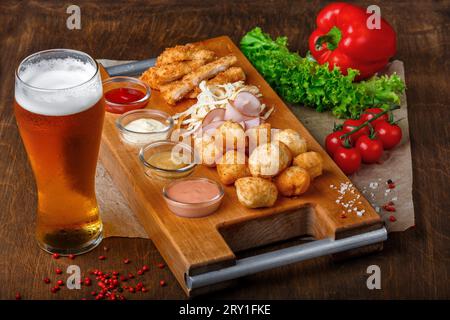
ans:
x=373 y=185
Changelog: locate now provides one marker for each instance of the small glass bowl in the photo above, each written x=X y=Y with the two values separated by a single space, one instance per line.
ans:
x=193 y=210
x=138 y=138
x=167 y=146
x=126 y=83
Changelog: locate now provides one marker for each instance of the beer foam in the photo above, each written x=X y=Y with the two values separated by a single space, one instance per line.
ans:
x=68 y=78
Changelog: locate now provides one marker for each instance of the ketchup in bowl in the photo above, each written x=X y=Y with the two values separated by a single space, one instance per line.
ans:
x=123 y=94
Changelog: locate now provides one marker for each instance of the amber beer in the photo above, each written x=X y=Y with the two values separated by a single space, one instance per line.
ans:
x=59 y=110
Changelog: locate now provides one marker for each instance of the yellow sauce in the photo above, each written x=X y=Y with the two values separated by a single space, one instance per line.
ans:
x=167 y=160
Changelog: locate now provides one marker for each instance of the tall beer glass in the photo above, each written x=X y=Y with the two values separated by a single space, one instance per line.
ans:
x=59 y=110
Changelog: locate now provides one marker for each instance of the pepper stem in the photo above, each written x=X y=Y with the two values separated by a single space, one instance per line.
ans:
x=332 y=39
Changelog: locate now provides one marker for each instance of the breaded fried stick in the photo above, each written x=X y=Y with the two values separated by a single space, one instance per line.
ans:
x=183 y=53
x=230 y=75
x=164 y=74
x=177 y=90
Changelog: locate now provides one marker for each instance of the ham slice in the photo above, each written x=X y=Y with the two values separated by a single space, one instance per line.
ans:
x=244 y=101
x=247 y=104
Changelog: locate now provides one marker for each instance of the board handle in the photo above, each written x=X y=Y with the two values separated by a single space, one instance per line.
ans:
x=286 y=256
x=131 y=68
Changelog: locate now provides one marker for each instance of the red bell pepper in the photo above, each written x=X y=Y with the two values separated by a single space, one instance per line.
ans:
x=343 y=39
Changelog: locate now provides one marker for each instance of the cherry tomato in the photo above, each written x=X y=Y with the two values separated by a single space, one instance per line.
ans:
x=348 y=159
x=333 y=141
x=370 y=148
x=351 y=124
x=370 y=113
x=389 y=134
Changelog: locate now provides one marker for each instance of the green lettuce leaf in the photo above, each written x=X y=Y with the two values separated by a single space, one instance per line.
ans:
x=301 y=80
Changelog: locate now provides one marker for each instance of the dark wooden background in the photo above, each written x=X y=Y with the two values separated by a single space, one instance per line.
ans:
x=414 y=264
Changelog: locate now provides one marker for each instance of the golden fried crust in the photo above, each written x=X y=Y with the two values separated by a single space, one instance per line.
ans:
x=183 y=53
x=149 y=77
x=179 y=70
x=156 y=77
x=232 y=135
x=310 y=161
x=293 y=181
x=177 y=90
x=254 y=192
x=174 y=71
x=268 y=160
x=206 y=151
x=232 y=166
x=230 y=75
x=173 y=92
x=259 y=135
x=293 y=140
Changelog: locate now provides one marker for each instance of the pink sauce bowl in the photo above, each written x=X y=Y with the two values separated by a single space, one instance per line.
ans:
x=186 y=204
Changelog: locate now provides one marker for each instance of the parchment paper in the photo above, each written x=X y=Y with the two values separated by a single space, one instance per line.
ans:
x=371 y=180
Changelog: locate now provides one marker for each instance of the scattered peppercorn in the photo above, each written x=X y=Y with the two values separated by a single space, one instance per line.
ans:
x=391 y=184
x=389 y=208
x=110 y=285
x=123 y=278
x=18 y=296
x=87 y=281
x=392 y=219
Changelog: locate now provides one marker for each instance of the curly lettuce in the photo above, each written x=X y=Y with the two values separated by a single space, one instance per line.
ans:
x=301 y=80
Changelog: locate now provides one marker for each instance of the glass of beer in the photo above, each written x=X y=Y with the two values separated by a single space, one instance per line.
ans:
x=59 y=109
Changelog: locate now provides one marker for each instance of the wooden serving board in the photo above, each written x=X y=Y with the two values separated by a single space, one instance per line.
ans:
x=194 y=246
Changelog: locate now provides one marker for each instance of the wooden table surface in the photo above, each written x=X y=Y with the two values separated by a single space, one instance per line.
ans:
x=414 y=264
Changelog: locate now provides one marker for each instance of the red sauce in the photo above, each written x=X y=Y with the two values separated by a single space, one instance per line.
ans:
x=120 y=100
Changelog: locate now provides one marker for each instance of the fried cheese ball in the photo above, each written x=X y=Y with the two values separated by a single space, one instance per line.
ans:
x=258 y=135
x=232 y=135
x=255 y=192
x=269 y=159
x=310 y=161
x=232 y=166
x=293 y=181
x=293 y=140
x=206 y=151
